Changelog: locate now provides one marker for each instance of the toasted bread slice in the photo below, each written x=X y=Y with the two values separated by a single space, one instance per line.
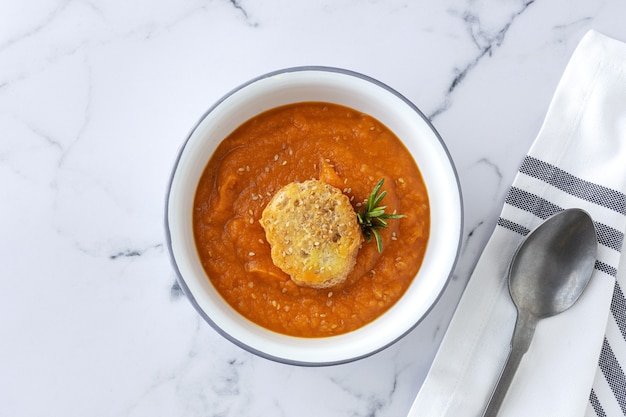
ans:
x=313 y=232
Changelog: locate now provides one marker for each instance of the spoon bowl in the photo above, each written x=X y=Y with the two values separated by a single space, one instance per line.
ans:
x=548 y=273
x=553 y=265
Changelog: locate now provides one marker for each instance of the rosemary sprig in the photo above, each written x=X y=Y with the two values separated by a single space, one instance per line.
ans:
x=373 y=217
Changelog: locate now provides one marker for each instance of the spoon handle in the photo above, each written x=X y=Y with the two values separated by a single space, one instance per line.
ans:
x=522 y=336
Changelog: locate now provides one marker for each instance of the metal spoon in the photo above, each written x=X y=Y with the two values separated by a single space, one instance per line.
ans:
x=549 y=272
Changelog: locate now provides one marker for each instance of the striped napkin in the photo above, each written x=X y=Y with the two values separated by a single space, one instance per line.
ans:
x=576 y=363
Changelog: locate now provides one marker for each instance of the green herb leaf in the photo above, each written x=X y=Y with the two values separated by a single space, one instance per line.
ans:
x=373 y=217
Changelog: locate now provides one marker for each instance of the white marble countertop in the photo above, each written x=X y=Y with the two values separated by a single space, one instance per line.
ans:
x=97 y=97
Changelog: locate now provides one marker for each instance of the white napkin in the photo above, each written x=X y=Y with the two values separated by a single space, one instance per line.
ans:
x=575 y=365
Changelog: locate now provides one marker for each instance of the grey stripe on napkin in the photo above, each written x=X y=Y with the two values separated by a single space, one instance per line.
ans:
x=597 y=407
x=614 y=374
x=570 y=184
x=543 y=209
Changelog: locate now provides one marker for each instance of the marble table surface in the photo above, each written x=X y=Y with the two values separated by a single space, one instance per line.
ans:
x=96 y=97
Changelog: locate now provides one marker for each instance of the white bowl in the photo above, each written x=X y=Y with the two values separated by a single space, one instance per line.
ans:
x=368 y=96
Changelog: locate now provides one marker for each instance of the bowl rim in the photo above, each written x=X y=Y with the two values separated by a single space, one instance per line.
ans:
x=168 y=234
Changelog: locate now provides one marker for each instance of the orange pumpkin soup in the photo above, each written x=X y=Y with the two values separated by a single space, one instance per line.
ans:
x=342 y=147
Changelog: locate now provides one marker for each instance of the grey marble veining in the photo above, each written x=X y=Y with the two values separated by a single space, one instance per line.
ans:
x=95 y=100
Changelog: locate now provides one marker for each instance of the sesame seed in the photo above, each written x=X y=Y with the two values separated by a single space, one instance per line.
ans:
x=284 y=163
x=276 y=157
x=251 y=253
